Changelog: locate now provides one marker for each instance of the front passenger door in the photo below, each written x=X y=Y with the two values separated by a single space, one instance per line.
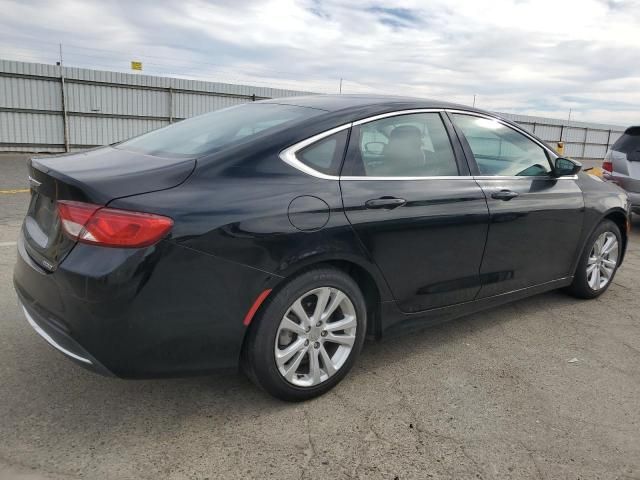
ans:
x=535 y=218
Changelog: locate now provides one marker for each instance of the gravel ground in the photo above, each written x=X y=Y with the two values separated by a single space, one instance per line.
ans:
x=492 y=395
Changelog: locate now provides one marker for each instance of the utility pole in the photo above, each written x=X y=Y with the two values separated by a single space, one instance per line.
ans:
x=340 y=91
x=569 y=119
x=474 y=100
x=65 y=121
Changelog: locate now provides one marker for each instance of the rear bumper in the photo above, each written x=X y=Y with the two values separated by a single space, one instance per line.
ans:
x=161 y=311
x=56 y=336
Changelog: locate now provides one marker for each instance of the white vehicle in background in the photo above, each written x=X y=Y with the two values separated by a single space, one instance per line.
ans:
x=622 y=165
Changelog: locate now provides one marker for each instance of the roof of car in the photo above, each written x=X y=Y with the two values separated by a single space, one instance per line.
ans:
x=332 y=103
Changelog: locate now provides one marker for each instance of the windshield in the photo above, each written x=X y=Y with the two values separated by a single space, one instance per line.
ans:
x=212 y=131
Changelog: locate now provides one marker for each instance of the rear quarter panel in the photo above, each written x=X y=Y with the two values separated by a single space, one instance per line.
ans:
x=245 y=217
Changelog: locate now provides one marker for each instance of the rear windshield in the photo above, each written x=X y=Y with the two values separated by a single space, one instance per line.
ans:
x=212 y=131
x=629 y=144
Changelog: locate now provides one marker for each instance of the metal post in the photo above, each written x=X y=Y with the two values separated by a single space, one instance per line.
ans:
x=474 y=100
x=65 y=119
x=170 y=105
x=609 y=139
x=253 y=97
x=340 y=89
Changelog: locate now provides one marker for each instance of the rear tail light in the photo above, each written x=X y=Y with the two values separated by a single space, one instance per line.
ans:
x=108 y=227
x=607 y=165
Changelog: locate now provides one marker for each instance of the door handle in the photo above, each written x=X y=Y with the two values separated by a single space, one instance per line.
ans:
x=385 y=202
x=504 y=195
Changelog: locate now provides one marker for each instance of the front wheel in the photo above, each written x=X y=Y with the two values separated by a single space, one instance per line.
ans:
x=599 y=262
x=307 y=336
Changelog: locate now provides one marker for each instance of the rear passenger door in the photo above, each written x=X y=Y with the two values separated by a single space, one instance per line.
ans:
x=536 y=218
x=409 y=196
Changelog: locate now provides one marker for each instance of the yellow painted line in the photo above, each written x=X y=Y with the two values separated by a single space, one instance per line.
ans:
x=17 y=190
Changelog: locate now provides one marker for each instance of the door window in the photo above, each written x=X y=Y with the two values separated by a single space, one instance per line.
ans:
x=415 y=145
x=500 y=150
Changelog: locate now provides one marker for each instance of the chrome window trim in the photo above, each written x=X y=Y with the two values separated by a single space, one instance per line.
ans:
x=443 y=177
x=524 y=177
x=464 y=177
x=288 y=155
x=50 y=340
x=397 y=113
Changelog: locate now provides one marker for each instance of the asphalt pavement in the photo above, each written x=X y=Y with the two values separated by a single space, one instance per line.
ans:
x=544 y=388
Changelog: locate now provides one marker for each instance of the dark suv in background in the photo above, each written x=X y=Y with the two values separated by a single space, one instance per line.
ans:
x=622 y=165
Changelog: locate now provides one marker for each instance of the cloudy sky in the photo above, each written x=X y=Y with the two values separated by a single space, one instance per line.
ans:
x=539 y=57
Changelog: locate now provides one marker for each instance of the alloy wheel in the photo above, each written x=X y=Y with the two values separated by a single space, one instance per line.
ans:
x=602 y=261
x=315 y=337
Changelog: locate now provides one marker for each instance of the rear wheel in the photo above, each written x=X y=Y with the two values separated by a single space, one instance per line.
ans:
x=307 y=336
x=599 y=262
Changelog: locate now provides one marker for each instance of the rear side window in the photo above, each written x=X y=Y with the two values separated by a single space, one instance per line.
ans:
x=414 y=145
x=629 y=144
x=212 y=131
x=325 y=155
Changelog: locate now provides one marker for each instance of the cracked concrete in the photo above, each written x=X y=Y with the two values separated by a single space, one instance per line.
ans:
x=490 y=396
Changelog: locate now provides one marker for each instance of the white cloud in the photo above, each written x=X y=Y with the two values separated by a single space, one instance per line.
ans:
x=526 y=56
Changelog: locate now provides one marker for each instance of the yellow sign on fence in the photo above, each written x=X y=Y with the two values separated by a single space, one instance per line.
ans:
x=136 y=65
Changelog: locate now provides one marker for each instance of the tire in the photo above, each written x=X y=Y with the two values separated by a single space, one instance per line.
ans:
x=260 y=350
x=581 y=286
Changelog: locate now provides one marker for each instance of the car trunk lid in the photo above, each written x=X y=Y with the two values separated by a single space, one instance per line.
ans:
x=98 y=177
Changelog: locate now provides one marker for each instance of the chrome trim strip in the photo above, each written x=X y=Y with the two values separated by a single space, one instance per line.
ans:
x=524 y=177
x=288 y=155
x=34 y=182
x=50 y=340
x=397 y=113
x=457 y=177
x=508 y=125
x=463 y=177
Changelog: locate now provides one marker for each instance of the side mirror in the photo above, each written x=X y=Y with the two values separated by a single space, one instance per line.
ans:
x=563 y=167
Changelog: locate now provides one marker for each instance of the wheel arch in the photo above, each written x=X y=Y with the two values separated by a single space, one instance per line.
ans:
x=617 y=216
x=620 y=218
x=373 y=287
x=371 y=283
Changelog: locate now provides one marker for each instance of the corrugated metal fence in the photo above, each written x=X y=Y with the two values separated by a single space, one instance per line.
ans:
x=582 y=140
x=47 y=108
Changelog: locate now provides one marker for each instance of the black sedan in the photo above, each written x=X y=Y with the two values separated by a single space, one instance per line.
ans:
x=277 y=235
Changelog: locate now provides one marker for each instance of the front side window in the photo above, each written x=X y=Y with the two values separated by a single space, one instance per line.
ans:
x=500 y=150
x=415 y=145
